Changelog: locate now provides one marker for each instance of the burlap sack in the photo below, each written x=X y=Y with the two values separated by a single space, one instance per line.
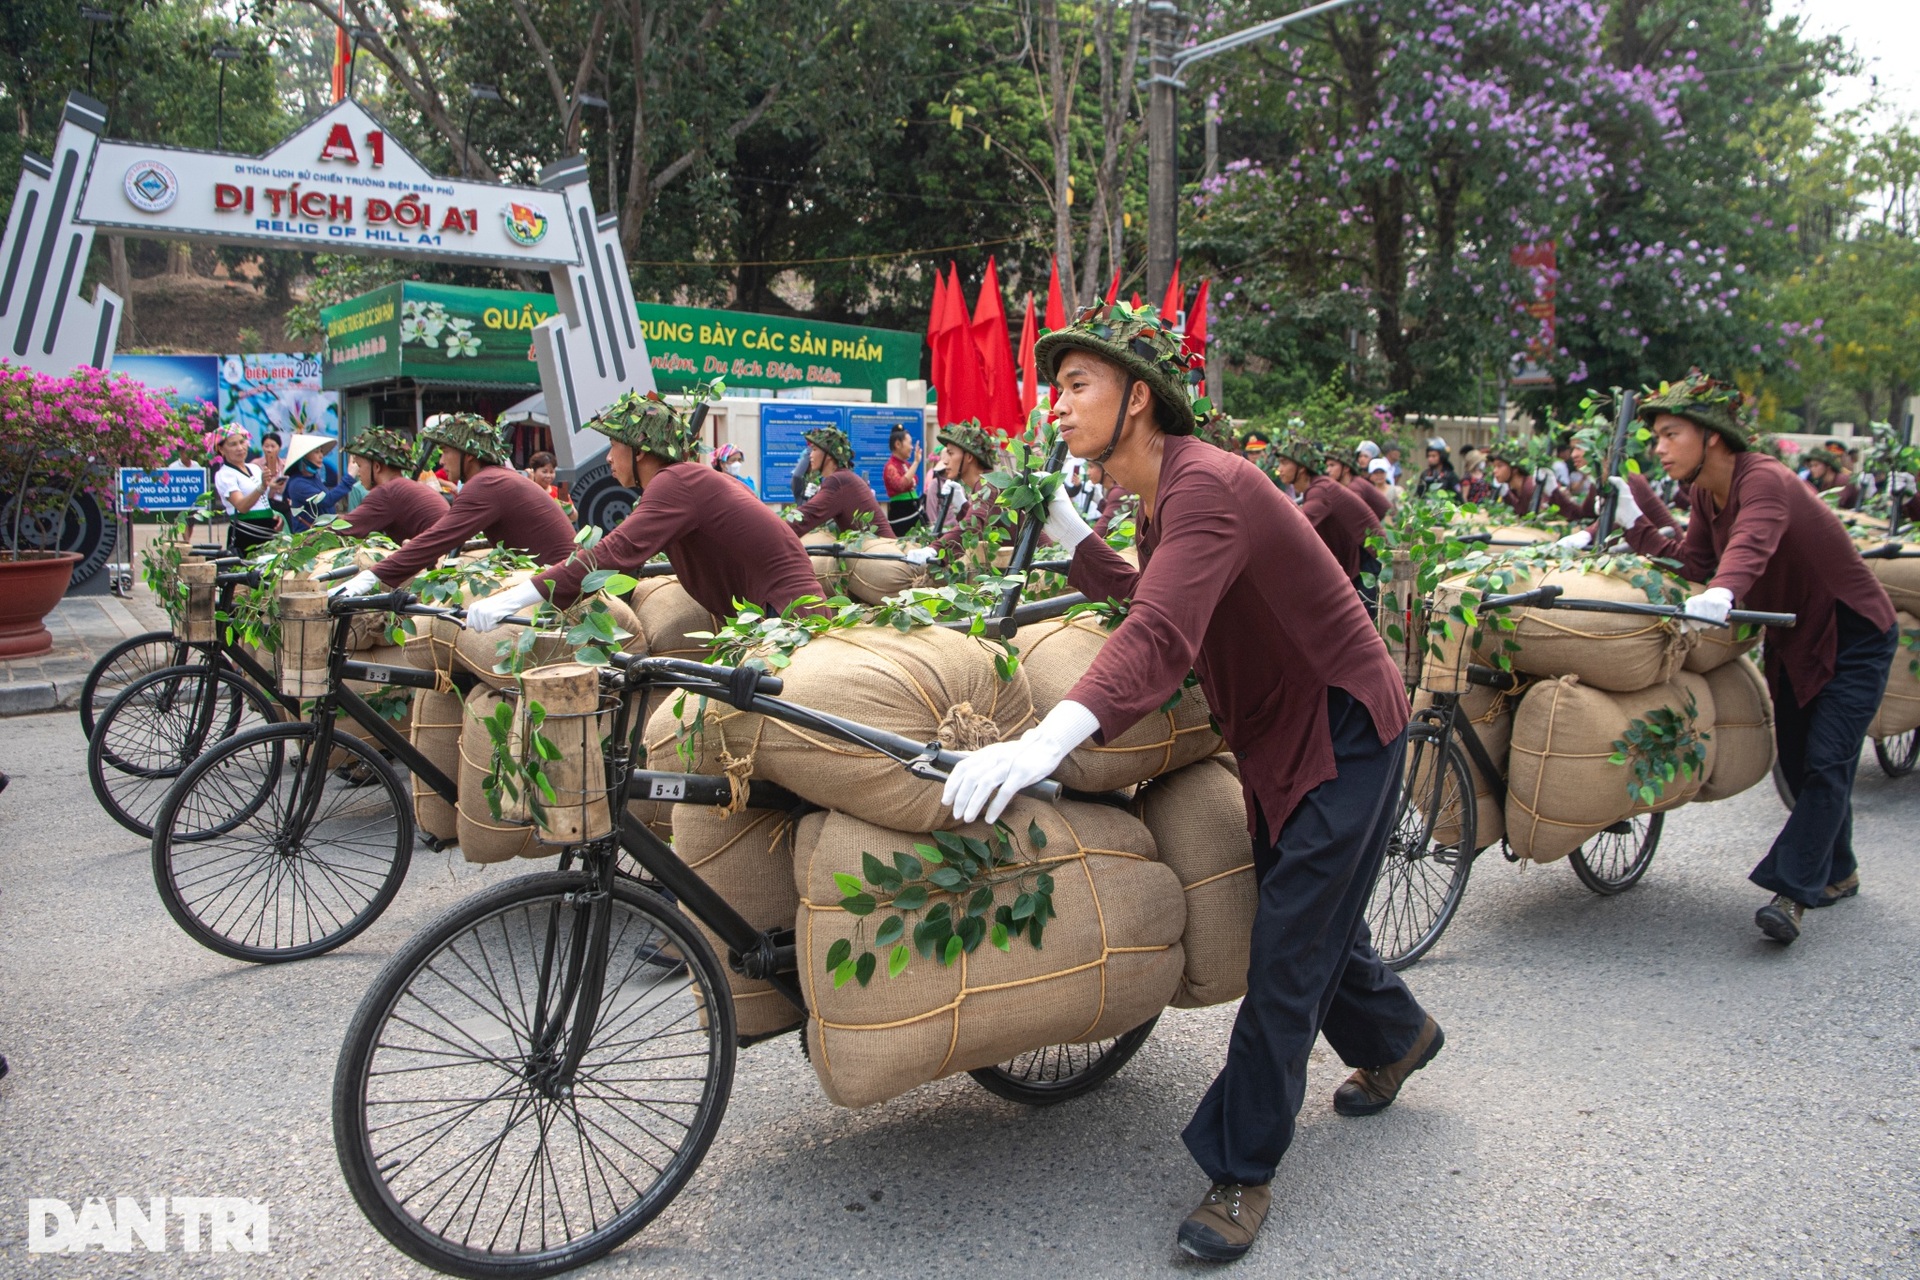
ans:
x=1198 y=819
x=1615 y=651
x=1055 y=654
x=478 y=652
x=1901 y=578
x=1562 y=789
x=1742 y=729
x=924 y=684
x=430 y=648
x=1110 y=960
x=1692 y=684
x=385 y=656
x=1714 y=647
x=1490 y=712
x=665 y=614
x=1900 y=705
x=483 y=837
x=871 y=581
x=437 y=721
x=748 y=859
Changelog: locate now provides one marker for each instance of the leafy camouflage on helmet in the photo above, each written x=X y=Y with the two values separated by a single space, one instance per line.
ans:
x=385 y=446
x=1139 y=341
x=1303 y=452
x=970 y=437
x=1510 y=451
x=833 y=442
x=648 y=424
x=1216 y=428
x=470 y=434
x=1707 y=402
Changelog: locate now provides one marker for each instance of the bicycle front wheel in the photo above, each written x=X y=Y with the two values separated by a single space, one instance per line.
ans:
x=128 y=661
x=1898 y=753
x=1430 y=853
x=157 y=726
x=262 y=854
x=1042 y=1077
x=1613 y=861
x=457 y=1138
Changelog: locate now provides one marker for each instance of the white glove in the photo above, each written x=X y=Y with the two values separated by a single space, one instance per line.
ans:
x=998 y=772
x=485 y=615
x=1064 y=524
x=1547 y=481
x=1578 y=540
x=1626 y=512
x=920 y=555
x=362 y=583
x=1708 y=609
x=1902 y=482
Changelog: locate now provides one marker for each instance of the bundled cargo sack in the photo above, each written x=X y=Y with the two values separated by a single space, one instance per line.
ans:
x=478 y=652
x=1714 y=647
x=1900 y=705
x=748 y=859
x=1901 y=577
x=665 y=613
x=1562 y=786
x=1055 y=654
x=484 y=837
x=431 y=645
x=871 y=581
x=1198 y=818
x=1490 y=712
x=1619 y=652
x=1742 y=729
x=437 y=722
x=1110 y=958
x=924 y=684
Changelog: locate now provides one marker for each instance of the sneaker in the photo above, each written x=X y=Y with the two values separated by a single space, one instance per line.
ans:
x=1841 y=889
x=1224 y=1224
x=1780 y=919
x=1373 y=1089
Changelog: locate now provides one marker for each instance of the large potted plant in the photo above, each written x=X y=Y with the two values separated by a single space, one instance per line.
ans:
x=60 y=435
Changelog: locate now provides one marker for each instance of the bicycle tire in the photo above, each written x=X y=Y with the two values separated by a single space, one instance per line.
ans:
x=128 y=661
x=1603 y=864
x=1780 y=787
x=1420 y=882
x=400 y=1041
x=314 y=893
x=1044 y=1077
x=155 y=728
x=1898 y=754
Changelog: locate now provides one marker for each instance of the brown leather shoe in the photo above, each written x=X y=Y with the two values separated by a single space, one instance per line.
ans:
x=1780 y=919
x=1373 y=1089
x=1222 y=1228
x=1839 y=889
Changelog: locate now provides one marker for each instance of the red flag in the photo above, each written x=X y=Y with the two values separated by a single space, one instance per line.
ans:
x=1029 y=369
x=1196 y=340
x=1056 y=307
x=1113 y=290
x=954 y=357
x=936 y=315
x=1136 y=302
x=1170 y=305
x=340 y=55
x=999 y=401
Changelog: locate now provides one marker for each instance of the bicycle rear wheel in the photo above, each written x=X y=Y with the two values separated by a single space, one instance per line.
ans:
x=455 y=1141
x=128 y=661
x=1430 y=853
x=1613 y=861
x=157 y=726
x=1898 y=754
x=1043 y=1077
x=255 y=863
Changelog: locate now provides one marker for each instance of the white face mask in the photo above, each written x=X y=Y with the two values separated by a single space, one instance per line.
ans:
x=733 y=468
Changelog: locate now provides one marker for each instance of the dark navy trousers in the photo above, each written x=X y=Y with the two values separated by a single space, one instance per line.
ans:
x=1312 y=967
x=1819 y=746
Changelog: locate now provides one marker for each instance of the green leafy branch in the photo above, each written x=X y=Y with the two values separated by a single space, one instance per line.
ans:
x=519 y=774
x=1661 y=748
x=943 y=891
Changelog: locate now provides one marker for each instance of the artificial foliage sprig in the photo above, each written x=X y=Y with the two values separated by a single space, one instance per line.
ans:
x=1663 y=747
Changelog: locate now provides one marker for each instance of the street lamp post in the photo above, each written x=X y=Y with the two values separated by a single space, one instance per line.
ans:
x=1165 y=69
x=95 y=19
x=222 y=53
x=475 y=94
x=355 y=37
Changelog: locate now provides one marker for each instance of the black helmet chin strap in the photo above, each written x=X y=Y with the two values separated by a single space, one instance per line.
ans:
x=1120 y=422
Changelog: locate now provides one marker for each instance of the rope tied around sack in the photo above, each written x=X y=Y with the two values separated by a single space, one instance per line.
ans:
x=964 y=729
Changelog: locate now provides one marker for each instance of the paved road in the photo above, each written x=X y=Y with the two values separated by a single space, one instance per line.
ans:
x=1632 y=1086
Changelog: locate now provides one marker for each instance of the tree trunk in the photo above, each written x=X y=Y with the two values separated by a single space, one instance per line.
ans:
x=122 y=279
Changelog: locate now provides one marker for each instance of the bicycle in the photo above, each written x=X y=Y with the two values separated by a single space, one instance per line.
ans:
x=1434 y=844
x=535 y=1076
x=138 y=656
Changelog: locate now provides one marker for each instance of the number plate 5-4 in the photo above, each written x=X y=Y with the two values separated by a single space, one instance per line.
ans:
x=669 y=789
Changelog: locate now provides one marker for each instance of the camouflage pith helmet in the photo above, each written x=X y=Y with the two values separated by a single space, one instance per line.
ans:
x=1139 y=341
x=469 y=433
x=1216 y=428
x=1511 y=452
x=833 y=442
x=1303 y=452
x=385 y=446
x=1706 y=402
x=972 y=438
x=648 y=424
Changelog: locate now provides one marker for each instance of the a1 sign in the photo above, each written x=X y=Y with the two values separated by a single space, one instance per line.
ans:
x=169 y=489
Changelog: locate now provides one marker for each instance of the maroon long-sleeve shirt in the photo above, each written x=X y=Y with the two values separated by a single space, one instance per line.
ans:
x=1778 y=549
x=1116 y=505
x=1235 y=584
x=1341 y=519
x=843 y=499
x=724 y=543
x=1375 y=499
x=499 y=502
x=400 y=508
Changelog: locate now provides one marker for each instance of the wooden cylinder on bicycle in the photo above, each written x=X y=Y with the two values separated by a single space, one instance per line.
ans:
x=568 y=695
x=196 y=622
x=306 y=631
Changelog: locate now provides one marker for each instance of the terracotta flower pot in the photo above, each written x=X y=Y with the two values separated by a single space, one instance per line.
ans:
x=29 y=589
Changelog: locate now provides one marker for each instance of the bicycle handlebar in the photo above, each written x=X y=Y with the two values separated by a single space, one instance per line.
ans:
x=246 y=578
x=1552 y=597
x=341 y=574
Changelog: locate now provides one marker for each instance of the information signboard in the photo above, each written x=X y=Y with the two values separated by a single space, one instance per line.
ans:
x=168 y=489
x=783 y=437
